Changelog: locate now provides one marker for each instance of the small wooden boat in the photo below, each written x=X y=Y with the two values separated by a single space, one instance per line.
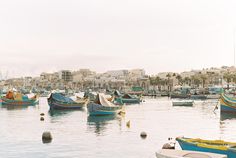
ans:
x=101 y=106
x=57 y=101
x=213 y=96
x=227 y=104
x=167 y=153
x=90 y=95
x=17 y=99
x=126 y=99
x=212 y=146
x=183 y=103
x=198 y=97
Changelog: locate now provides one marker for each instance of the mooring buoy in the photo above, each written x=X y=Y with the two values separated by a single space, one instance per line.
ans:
x=143 y=135
x=128 y=124
x=41 y=119
x=47 y=137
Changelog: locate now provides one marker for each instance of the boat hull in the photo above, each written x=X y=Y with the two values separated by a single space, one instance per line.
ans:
x=181 y=103
x=130 y=101
x=58 y=106
x=63 y=105
x=198 y=97
x=98 y=110
x=194 y=147
x=10 y=102
x=216 y=96
x=227 y=109
x=227 y=105
x=167 y=153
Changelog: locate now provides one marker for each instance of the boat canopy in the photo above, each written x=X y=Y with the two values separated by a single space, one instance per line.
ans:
x=137 y=89
x=62 y=98
x=101 y=99
x=117 y=93
x=128 y=96
x=16 y=96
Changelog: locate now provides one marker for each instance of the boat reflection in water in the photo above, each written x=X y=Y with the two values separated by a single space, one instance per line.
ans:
x=99 y=123
x=10 y=107
x=57 y=113
x=227 y=116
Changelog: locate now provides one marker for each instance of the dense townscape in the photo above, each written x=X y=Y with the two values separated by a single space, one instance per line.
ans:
x=124 y=80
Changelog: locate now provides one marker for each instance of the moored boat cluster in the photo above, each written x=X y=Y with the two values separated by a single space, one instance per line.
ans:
x=200 y=148
x=98 y=104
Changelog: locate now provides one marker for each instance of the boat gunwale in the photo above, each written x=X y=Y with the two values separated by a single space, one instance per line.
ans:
x=217 y=145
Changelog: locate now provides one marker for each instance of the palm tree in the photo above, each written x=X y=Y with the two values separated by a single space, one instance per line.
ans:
x=234 y=78
x=168 y=78
x=227 y=76
x=211 y=76
x=195 y=80
x=168 y=75
x=203 y=78
x=187 y=80
x=152 y=80
x=155 y=81
x=180 y=80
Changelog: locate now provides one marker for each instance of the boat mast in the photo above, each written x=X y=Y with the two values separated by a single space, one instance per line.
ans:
x=234 y=45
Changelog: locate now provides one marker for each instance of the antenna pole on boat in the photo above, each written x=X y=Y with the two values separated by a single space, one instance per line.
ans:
x=216 y=106
x=234 y=44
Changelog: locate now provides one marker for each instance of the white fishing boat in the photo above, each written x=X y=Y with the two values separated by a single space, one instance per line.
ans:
x=213 y=96
x=167 y=153
x=182 y=103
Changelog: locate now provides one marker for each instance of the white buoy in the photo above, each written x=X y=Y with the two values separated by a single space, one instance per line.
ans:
x=168 y=146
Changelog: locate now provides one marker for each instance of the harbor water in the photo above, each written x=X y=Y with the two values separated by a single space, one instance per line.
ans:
x=75 y=134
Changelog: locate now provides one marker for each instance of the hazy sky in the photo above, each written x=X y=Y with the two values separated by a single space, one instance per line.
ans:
x=157 y=35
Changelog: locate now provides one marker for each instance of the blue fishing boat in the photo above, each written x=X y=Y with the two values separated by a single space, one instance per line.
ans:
x=17 y=99
x=101 y=106
x=126 y=99
x=198 y=97
x=212 y=146
x=25 y=102
x=227 y=104
x=90 y=95
x=57 y=101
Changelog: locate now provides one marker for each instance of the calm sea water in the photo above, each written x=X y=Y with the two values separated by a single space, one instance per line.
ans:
x=77 y=135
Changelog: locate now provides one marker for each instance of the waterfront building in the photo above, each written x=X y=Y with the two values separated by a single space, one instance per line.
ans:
x=126 y=79
x=66 y=76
